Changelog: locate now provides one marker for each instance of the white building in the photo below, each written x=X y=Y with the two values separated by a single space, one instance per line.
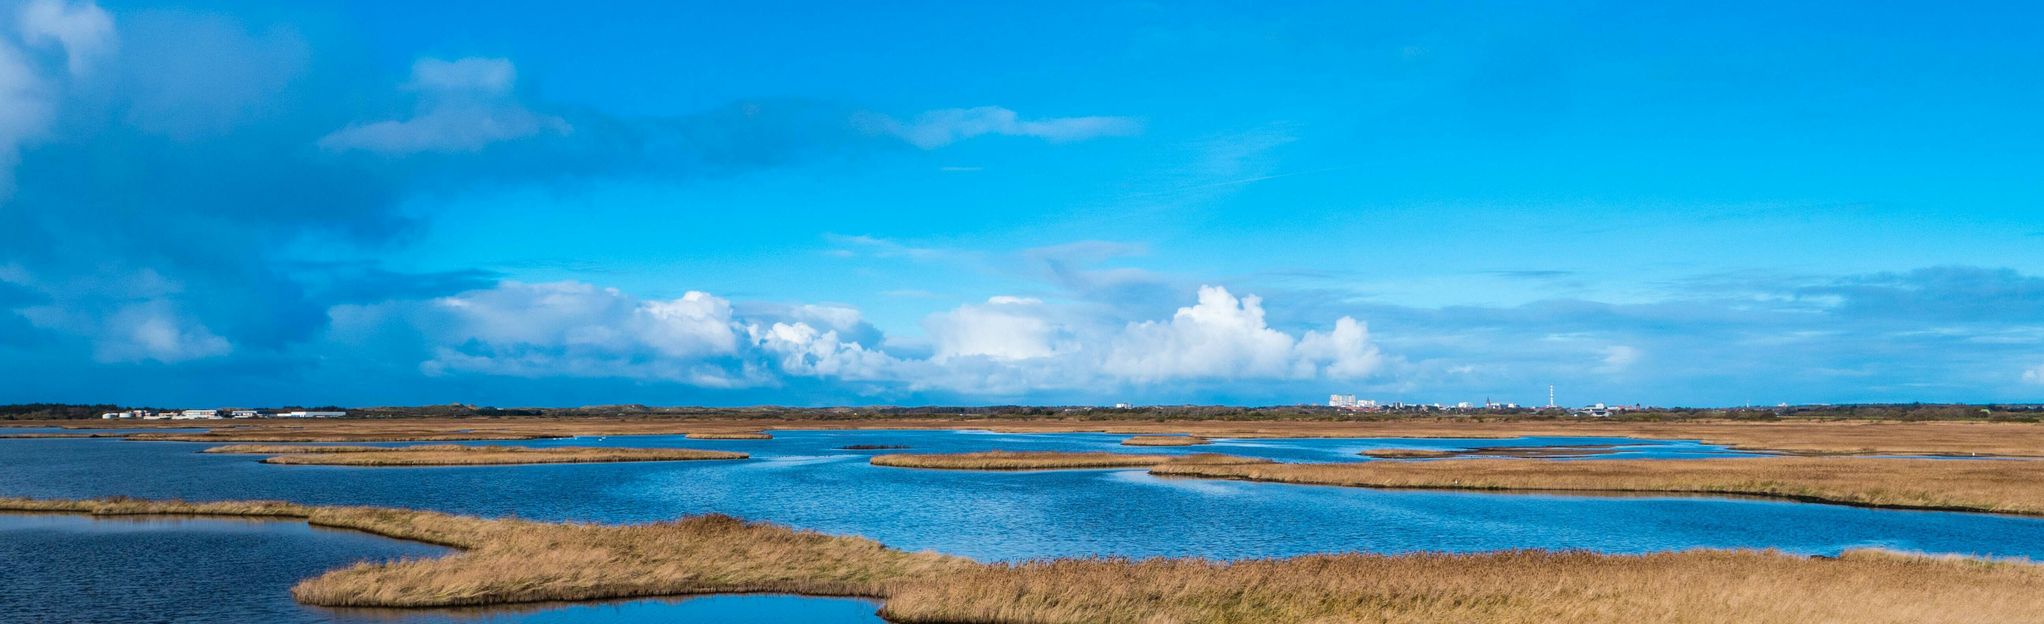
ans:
x=196 y=415
x=310 y=414
x=243 y=414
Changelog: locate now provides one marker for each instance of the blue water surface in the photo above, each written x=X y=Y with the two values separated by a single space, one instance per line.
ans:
x=70 y=568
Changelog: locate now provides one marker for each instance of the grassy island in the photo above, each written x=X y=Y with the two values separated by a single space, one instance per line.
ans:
x=1998 y=486
x=1164 y=440
x=730 y=435
x=457 y=455
x=1491 y=451
x=506 y=561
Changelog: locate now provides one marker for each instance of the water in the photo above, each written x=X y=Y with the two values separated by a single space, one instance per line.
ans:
x=68 y=568
x=802 y=479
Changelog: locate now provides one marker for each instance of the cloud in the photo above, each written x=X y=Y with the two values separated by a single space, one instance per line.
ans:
x=84 y=31
x=464 y=105
x=938 y=128
x=1003 y=328
x=1223 y=337
x=2034 y=376
x=576 y=329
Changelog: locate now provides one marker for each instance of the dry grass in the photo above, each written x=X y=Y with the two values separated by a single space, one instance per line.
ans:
x=514 y=561
x=1491 y=451
x=1408 y=453
x=1808 y=437
x=58 y=436
x=730 y=435
x=1163 y=440
x=1515 y=587
x=2000 y=486
x=1046 y=460
x=455 y=455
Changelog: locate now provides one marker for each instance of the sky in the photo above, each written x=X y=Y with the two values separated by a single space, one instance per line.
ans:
x=519 y=203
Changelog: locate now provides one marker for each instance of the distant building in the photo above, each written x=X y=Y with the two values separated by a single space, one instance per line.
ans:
x=1122 y=406
x=243 y=414
x=310 y=414
x=196 y=414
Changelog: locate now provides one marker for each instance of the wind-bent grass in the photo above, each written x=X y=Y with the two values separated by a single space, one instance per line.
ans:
x=273 y=436
x=1163 y=440
x=1408 y=453
x=1797 y=436
x=456 y=455
x=1514 y=587
x=58 y=436
x=506 y=561
x=1046 y=460
x=1999 y=486
x=730 y=435
x=1492 y=451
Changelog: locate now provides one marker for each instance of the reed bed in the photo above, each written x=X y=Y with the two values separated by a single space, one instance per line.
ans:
x=508 y=561
x=730 y=435
x=58 y=436
x=1163 y=440
x=1998 y=486
x=1408 y=453
x=366 y=436
x=1514 y=587
x=505 y=561
x=1491 y=451
x=1800 y=436
x=1018 y=460
x=1046 y=460
x=457 y=455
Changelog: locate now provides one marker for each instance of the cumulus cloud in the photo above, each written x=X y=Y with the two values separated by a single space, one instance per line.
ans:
x=1005 y=346
x=1003 y=328
x=576 y=329
x=938 y=128
x=2034 y=376
x=464 y=105
x=1225 y=337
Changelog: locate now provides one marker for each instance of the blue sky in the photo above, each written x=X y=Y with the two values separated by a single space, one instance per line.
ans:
x=524 y=203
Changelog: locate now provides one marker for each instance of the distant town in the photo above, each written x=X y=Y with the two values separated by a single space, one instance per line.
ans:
x=216 y=414
x=1349 y=402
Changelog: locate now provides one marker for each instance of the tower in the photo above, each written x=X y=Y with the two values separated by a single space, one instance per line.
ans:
x=1550 y=395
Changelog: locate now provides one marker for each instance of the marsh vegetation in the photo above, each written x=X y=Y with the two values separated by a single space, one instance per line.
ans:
x=1164 y=440
x=506 y=561
x=2000 y=486
x=458 y=455
x=1046 y=460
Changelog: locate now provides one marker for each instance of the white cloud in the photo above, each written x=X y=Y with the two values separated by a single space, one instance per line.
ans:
x=1006 y=345
x=464 y=106
x=2034 y=376
x=1003 y=328
x=84 y=31
x=938 y=128
x=575 y=329
x=1219 y=337
x=154 y=331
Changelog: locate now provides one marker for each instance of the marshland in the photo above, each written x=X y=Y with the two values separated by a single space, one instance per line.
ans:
x=504 y=561
x=458 y=455
x=798 y=480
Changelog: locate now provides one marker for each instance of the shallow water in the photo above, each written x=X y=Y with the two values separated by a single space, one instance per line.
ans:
x=801 y=479
x=81 y=569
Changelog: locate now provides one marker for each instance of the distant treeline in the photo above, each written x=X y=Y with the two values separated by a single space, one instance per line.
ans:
x=1900 y=411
